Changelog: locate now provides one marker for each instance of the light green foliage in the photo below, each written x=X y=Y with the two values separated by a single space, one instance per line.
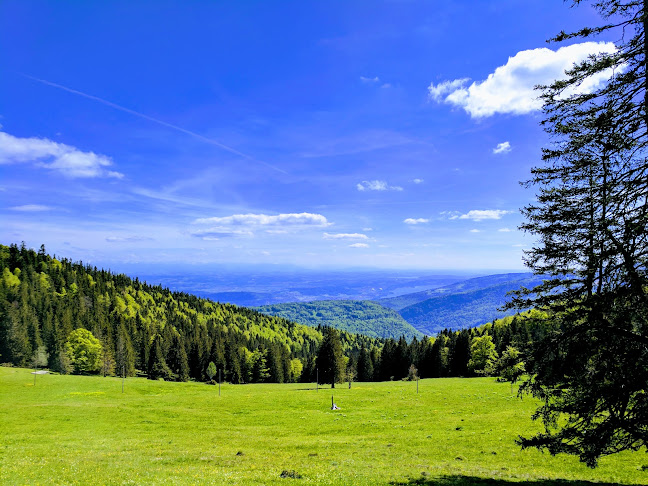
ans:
x=483 y=355
x=211 y=370
x=10 y=280
x=296 y=368
x=510 y=365
x=39 y=360
x=456 y=431
x=84 y=351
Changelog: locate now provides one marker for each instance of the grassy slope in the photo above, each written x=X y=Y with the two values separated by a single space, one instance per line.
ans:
x=83 y=430
x=355 y=316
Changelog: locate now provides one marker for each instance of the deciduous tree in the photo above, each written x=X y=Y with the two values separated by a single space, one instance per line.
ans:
x=84 y=351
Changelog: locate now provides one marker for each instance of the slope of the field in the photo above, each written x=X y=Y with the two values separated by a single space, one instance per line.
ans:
x=464 y=309
x=82 y=430
x=355 y=316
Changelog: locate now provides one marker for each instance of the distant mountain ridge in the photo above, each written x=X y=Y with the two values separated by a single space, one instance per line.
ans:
x=477 y=283
x=468 y=303
x=465 y=304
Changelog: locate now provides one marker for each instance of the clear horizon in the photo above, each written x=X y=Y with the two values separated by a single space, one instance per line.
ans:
x=390 y=136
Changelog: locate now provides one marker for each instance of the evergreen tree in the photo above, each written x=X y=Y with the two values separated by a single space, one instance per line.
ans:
x=365 y=366
x=157 y=366
x=591 y=219
x=177 y=358
x=330 y=358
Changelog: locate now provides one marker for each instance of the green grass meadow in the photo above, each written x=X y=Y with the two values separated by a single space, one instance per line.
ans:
x=83 y=430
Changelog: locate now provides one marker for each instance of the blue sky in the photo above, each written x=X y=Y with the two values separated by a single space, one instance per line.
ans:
x=338 y=134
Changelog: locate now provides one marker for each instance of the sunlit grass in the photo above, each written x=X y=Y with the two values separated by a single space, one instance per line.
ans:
x=83 y=430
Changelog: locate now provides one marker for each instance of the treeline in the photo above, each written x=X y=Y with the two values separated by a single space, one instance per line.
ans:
x=150 y=331
x=493 y=349
x=143 y=329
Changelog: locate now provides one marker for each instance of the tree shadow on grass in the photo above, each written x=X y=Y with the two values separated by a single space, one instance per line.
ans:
x=459 y=480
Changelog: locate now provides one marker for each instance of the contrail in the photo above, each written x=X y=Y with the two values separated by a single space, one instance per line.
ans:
x=154 y=120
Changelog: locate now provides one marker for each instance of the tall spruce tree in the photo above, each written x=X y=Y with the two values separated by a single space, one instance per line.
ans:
x=591 y=219
x=330 y=359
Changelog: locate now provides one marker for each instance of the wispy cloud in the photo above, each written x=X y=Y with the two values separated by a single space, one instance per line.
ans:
x=481 y=214
x=440 y=91
x=359 y=245
x=289 y=219
x=502 y=148
x=245 y=225
x=376 y=186
x=504 y=230
x=367 y=80
x=345 y=236
x=418 y=181
x=475 y=231
x=68 y=160
x=31 y=208
x=510 y=88
x=218 y=232
x=155 y=120
x=416 y=221
x=127 y=239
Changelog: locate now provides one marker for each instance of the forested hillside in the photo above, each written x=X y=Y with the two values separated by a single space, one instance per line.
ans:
x=356 y=316
x=464 y=309
x=143 y=328
x=50 y=307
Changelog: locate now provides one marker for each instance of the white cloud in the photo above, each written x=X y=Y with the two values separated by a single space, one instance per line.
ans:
x=502 y=148
x=359 y=245
x=475 y=231
x=375 y=79
x=345 y=236
x=418 y=181
x=481 y=214
x=376 y=186
x=31 y=208
x=504 y=230
x=289 y=219
x=127 y=239
x=386 y=85
x=510 y=89
x=438 y=92
x=244 y=225
x=218 y=232
x=450 y=214
x=48 y=154
x=416 y=221
x=367 y=229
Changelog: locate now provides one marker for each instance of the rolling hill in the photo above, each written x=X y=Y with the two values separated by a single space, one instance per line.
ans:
x=356 y=316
